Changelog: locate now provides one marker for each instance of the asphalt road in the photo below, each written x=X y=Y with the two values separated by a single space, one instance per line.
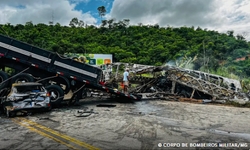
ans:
x=154 y=124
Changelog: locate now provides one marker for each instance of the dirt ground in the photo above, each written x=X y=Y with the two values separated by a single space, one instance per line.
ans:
x=138 y=125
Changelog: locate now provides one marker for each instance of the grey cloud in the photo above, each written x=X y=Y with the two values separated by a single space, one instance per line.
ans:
x=220 y=15
x=41 y=11
x=164 y=12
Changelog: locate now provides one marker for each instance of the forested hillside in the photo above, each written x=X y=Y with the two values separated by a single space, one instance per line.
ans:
x=145 y=44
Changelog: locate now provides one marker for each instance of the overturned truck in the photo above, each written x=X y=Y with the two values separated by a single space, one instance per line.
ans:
x=58 y=74
x=163 y=81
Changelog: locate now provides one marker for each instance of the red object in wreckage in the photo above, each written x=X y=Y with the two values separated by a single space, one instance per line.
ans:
x=102 y=82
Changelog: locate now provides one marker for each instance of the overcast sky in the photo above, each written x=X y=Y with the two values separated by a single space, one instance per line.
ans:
x=219 y=15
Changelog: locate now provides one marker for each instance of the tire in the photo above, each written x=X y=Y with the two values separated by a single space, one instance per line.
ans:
x=1 y=108
x=64 y=81
x=9 y=114
x=23 y=77
x=75 y=58
x=56 y=95
x=84 y=94
x=3 y=77
x=81 y=94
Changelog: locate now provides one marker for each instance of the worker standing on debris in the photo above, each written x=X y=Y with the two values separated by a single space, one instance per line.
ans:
x=126 y=80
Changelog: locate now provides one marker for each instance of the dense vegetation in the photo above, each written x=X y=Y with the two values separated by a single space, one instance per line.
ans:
x=198 y=48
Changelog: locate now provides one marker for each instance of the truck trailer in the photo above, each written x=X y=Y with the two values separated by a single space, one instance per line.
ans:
x=57 y=73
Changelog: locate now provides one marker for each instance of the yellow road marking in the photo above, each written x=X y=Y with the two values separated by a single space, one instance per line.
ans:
x=44 y=134
x=71 y=139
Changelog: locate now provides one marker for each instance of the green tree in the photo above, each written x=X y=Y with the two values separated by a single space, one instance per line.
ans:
x=76 y=23
x=144 y=44
x=101 y=11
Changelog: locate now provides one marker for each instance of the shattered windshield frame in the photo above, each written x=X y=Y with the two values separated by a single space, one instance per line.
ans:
x=28 y=89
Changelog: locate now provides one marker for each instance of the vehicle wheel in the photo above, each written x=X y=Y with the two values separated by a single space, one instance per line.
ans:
x=9 y=114
x=56 y=95
x=63 y=82
x=81 y=94
x=73 y=100
x=3 y=77
x=85 y=93
x=184 y=94
x=23 y=77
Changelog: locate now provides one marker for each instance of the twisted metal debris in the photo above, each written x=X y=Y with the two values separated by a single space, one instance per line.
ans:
x=161 y=81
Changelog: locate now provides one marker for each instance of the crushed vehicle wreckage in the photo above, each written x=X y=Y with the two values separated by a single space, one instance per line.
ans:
x=26 y=98
x=168 y=81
